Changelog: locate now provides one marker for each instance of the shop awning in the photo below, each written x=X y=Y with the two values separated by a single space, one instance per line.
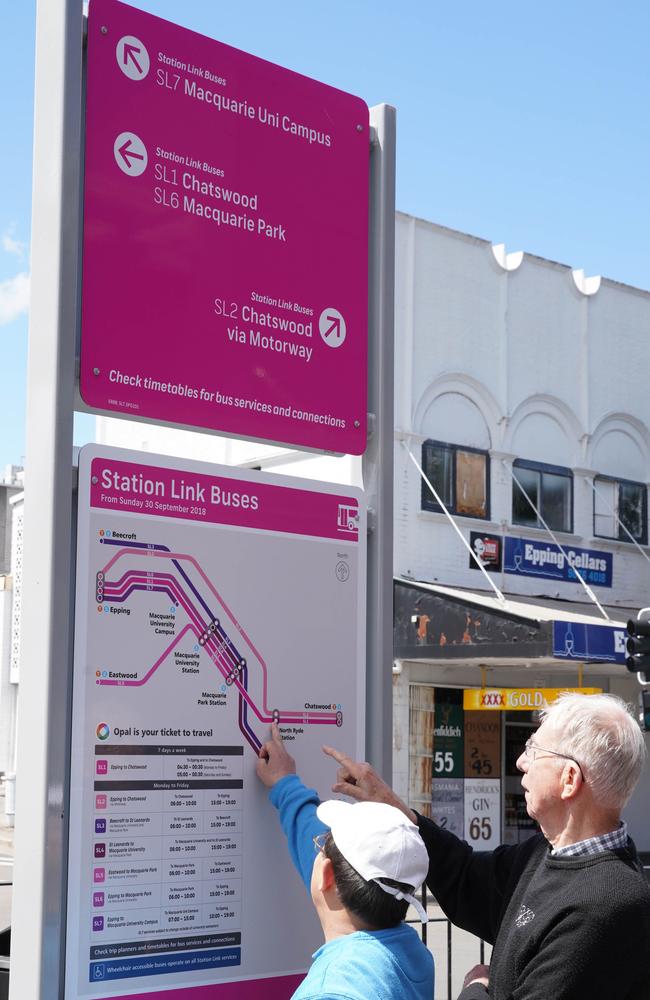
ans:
x=439 y=623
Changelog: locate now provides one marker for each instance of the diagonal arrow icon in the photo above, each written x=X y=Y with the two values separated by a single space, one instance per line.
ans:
x=335 y=326
x=331 y=326
x=129 y=52
x=132 y=57
x=129 y=154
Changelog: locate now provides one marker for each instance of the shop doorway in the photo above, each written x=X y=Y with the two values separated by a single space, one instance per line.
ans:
x=517 y=824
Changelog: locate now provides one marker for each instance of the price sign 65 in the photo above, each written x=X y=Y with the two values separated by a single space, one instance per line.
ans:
x=480 y=829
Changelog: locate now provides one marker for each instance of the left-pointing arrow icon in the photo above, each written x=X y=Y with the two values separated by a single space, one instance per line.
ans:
x=130 y=154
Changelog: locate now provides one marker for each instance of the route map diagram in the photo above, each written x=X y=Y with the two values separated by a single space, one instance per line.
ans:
x=210 y=603
x=210 y=621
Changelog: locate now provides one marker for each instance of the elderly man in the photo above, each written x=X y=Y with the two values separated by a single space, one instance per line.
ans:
x=369 y=860
x=568 y=910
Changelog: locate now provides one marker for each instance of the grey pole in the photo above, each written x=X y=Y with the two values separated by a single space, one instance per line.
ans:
x=38 y=915
x=378 y=459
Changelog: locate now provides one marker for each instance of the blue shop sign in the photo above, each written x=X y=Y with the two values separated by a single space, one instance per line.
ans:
x=526 y=557
x=579 y=641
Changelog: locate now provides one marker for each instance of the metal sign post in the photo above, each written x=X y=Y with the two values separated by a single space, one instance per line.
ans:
x=38 y=915
x=378 y=458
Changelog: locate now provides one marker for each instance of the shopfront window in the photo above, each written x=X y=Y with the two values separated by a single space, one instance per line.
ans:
x=620 y=505
x=460 y=477
x=455 y=765
x=547 y=489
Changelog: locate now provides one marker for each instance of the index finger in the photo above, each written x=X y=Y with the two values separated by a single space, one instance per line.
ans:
x=340 y=758
x=276 y=735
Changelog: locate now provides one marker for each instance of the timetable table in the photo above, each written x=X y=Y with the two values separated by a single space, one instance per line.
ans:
x=166 y=851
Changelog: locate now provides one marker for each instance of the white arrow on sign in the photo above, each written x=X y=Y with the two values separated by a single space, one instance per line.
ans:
x=332 y=327
x=132 y=57
x=130 y=154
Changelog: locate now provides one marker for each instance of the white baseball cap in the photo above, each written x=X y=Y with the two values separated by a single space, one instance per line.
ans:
x=380 y=842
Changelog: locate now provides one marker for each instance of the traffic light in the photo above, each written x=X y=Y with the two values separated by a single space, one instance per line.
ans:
x=638 y=649
x=645 y=710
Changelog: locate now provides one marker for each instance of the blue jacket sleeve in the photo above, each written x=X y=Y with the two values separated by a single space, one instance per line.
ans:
x=297 y=807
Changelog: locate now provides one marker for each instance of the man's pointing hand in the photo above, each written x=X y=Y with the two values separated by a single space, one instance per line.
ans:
x=361 y=782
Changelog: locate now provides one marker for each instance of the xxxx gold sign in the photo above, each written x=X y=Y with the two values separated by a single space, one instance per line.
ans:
x=513 y=699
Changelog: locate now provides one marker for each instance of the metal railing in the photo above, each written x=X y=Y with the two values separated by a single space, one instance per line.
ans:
x=426 y=898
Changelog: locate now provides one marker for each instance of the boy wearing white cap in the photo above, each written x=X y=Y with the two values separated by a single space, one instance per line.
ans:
x=361 y=879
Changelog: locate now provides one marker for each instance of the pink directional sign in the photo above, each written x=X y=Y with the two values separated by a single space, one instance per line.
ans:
x=225 y=254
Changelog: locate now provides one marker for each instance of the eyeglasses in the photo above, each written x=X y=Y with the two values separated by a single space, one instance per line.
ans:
x=531 y=751
x=319 y=842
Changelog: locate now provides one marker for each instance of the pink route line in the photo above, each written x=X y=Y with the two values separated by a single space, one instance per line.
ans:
x=200 y=629
x=222 y=650
x=155 y=553
x=151 y=577
x=152 y=670
x=192 y=613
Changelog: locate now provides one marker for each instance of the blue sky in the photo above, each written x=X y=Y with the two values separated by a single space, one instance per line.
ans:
x=522 y=123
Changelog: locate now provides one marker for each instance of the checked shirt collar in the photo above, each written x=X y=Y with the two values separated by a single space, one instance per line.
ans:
x=613 y=841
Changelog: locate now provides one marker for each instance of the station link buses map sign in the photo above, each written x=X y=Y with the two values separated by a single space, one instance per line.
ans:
x=207 y=607
x=225 y=245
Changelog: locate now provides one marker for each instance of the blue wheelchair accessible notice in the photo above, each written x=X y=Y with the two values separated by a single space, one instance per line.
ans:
x=163 y=965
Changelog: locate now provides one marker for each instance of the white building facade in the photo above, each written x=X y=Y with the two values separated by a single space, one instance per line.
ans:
x=521 y=394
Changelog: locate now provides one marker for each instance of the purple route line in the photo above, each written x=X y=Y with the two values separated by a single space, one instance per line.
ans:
x=228 y=643
x=180 y=569
x=146 y=582
x=147 y=586
x=120 y=598
x=224 y=645
x=141 y=574
x=152 y=670
x=133 y=545
x=217 y=643
x=184 y=556
x=243 y=719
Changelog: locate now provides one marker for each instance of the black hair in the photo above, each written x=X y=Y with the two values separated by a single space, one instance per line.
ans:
x=376 y=908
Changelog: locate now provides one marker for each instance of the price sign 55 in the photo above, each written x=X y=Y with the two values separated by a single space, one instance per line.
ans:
x=443 y=762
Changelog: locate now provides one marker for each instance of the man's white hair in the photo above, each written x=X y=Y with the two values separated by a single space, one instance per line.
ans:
x=600 y=729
